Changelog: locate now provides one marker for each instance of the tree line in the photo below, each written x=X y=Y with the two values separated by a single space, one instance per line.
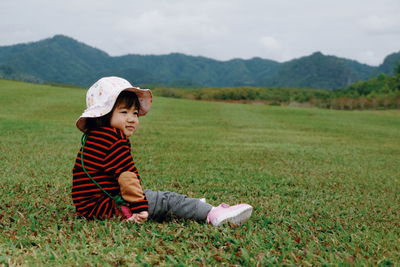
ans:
x=382 y=91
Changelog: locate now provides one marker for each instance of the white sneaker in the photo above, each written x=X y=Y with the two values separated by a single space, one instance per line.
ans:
x=234 y=214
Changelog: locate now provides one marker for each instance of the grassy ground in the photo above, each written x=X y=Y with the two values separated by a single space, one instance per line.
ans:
x=324 y=184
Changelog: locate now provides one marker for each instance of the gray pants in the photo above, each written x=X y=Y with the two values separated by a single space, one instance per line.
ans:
x=166 y=204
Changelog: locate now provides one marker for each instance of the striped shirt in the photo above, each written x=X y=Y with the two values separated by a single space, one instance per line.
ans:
x=107 y=154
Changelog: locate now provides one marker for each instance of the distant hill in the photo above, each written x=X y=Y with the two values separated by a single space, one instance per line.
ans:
x=319 y=71
x=62 y=59
x=59 y=59
x=388 y=65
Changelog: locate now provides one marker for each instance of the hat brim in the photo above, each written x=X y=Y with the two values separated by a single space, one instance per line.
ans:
x=145 y=99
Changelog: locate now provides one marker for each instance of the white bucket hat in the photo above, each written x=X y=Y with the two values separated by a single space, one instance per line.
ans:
x=101 y=97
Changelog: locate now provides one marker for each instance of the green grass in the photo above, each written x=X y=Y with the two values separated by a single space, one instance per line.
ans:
x=324 y=184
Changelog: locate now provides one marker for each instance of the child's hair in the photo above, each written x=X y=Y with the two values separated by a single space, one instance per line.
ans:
x=125 y=98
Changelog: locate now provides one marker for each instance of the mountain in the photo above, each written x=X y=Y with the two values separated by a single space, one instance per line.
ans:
x=182 y=70
x=61 y=59
x=319 y=71
x=389 y=64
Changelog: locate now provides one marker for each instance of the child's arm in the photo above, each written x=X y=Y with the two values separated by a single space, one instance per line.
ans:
x=132 y=191
x=118 y=160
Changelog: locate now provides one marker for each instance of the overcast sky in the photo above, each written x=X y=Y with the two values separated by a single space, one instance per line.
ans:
x=364 y=30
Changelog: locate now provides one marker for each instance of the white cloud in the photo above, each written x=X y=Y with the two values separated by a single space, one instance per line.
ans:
x=222 y=29
x=162 y=32
x=381 y=24
x=270 y=43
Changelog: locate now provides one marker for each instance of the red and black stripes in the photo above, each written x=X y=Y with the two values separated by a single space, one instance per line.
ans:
x=106 y=154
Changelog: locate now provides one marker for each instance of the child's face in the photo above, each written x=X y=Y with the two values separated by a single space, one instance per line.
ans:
x=125 y=119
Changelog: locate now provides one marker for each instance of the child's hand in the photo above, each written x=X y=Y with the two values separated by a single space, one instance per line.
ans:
x=142 y=216
x=139 y=217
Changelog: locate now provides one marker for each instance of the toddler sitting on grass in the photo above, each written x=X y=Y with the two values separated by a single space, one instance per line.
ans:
x=106 y=182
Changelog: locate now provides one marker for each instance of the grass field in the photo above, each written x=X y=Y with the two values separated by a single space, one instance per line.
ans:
x=324 y=184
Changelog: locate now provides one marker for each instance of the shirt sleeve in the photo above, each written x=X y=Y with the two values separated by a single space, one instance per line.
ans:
x=132 y=192
x=119 y=159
